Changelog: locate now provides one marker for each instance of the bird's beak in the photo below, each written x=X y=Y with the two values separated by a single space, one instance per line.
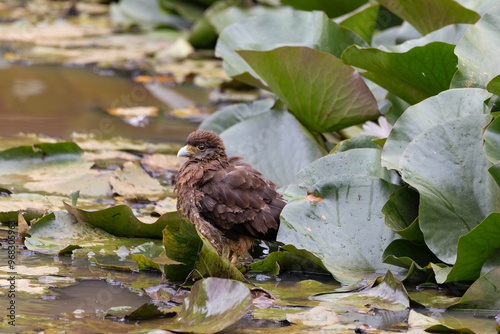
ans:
x=185 y=151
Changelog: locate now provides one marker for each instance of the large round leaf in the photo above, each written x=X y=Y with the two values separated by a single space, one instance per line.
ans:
x=274 y=143
x=414 y=75
x=343 y=225
x=478 y=52
x=448 y=105
x=430 y=15
x=361 y=161
x=287 y=27
x=324 y=94
x=447 y=165
x=331 y=8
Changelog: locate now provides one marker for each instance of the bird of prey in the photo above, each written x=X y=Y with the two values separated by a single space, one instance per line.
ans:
x=228 y=201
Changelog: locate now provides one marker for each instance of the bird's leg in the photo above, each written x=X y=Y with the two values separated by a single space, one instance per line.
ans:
x=234 y=259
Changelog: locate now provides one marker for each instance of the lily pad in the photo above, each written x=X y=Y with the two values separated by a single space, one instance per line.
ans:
x=132 y=181
x=265 y=141
x=447 y=165
x=428 y=15
x=213 y=305
x=483 y=293
x=474 y=248
x=287 y=27
x=331 y=8
x=194 y=254
x=324 y=94
x=344 y=227
x=477 y=51
x=390 y=294
x=121 y=221
x=444 y=107
x=231 y=115
x=414 y=75
x=362 y=21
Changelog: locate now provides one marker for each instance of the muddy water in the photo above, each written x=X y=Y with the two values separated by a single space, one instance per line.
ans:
x=55 y=101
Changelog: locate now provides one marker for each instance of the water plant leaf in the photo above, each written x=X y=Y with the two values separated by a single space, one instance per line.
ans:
x=120 y=220
x=477 y=51
x=284 y=260
x=213 y=305
x=401 y=214
x=345 y=229
x=447 y=165
x=413 y=75
x=228 y=116
x=272 y=135
x=324 y=94
x=473 y=249
x=428 y=15
x=362 y=161
x=319 y=316
x=483 y=293
x=492 y=141
x=390 y=294
x=362 y=21
x=444 y=107
x=286 y=27
x=183 y=244
x=331 y=8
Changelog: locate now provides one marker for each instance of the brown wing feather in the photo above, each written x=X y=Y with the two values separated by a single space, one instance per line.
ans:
x=238 y=200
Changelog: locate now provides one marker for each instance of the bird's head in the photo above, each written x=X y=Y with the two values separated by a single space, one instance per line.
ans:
x=203 y=145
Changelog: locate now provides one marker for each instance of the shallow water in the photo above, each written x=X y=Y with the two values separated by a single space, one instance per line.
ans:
x=56 y=101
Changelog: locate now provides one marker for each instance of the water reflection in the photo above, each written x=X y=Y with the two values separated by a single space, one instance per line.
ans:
x=56 y=101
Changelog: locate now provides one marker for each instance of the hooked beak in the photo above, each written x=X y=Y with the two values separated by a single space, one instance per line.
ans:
x=186 y=151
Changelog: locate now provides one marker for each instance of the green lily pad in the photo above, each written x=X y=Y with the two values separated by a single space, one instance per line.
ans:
x=362 y=161
x=231 y=115
x=474 y=248
x=120 y=220
x=213 y=305
x=494 y=85
x=285 y=260
x=265 y=141
x=447 y=165
x=184 y=245
x=356 y=142
x=324 y=94
x=362 y=21
x=42 y=150
x=492 y=141
x=434 y=298
x=401 y=214
x=342 y=225
x=287 y=27
x=483 y=293
x=477 y=52
x=331 y=8
x=446 y=106
x=428 y=15
x=414 y=75
x=390 y=294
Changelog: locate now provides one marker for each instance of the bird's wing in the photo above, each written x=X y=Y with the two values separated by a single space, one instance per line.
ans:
x=241 y=200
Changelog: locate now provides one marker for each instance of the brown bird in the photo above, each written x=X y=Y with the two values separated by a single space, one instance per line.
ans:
x=228 y=201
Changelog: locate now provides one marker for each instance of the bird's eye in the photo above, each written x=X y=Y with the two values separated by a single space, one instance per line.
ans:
x=201 y=147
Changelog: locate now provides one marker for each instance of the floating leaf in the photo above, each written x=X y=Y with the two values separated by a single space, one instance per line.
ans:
x=446 y=106
x=183 y=244
x=477 y=52
x=483 y=293
x=447 y=165
x=324 y=94
x=132 y=181
x=390 y=294
x=414 y=75
x=363 y=21
x=213 y=305
x=429 y=15
x=276 y=261
x=319 y=316
x=120 y=220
